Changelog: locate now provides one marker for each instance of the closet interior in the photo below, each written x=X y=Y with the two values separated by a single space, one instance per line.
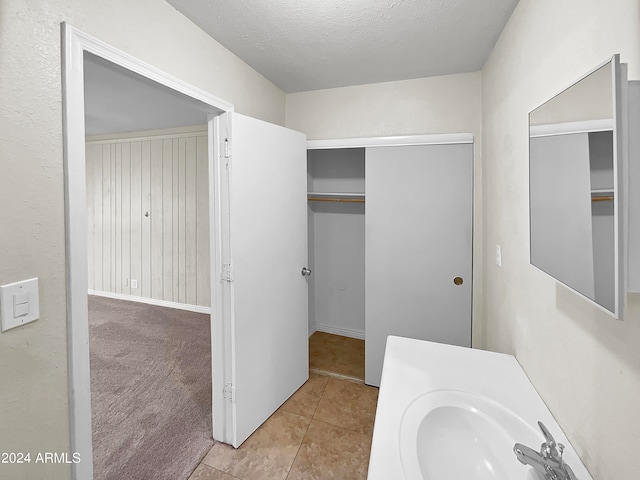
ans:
x=336 y=233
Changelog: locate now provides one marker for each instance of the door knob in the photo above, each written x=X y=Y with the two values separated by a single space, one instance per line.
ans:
x=305 y=272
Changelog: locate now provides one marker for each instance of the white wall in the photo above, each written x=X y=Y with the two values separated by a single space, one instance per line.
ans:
x=33 y=359
x=148 y=215
x=585 y=365
x=446 y=104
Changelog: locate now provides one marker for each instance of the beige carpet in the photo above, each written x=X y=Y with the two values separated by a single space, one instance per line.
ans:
x=150 y=390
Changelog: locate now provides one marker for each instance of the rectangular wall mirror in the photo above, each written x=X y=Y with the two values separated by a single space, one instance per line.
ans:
x=575 y=188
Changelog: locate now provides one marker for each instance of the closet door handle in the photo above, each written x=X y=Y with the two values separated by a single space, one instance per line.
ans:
x=305 y=272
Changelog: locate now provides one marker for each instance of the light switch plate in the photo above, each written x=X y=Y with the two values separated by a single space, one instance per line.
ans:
x=499 y=256
x=12 y=296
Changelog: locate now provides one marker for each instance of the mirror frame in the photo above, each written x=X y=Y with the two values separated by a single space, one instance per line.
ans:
x=618 y=71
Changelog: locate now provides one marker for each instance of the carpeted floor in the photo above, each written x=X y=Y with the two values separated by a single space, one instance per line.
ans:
x=150 y=390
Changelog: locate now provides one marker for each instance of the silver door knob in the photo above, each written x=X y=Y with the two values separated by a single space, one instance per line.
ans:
x=305 y=272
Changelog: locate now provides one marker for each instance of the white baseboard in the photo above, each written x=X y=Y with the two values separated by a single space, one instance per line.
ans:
x=345 y=332
x=152 y=301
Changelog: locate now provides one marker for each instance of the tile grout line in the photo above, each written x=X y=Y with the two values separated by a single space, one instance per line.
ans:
x=223 y=472
x=331 y=424
x=298 y=451
x=307 y=431
x=212 y=468
x=313 y=415
x=344 y=428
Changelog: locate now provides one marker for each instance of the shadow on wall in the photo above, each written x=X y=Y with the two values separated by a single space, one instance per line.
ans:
x=616 y=336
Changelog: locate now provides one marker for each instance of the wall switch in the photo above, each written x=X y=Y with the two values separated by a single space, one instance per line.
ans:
x=19 y=303
x=134 y=283
x=499 y=256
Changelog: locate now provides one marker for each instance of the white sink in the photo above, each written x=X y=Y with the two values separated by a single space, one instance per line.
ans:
x=454 y=413
x=457 y=434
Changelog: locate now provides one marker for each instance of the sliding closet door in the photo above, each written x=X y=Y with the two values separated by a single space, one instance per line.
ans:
x=418 y=247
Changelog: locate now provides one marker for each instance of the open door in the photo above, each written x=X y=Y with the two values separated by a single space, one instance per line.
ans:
x=267 y=250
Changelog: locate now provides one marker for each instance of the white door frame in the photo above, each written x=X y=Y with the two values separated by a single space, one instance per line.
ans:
x=74 y=44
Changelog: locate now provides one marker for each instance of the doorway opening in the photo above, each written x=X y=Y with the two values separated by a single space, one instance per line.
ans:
x=149 y=281
x=336 y=226
x=80 y=53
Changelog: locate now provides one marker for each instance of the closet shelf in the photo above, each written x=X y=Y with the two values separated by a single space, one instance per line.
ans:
x=335 y=197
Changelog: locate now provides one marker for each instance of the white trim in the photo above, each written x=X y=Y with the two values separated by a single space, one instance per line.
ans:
x=222 y=344
x=567 y=128
x=97 y=47
x=76 y=253
x=619 y=76
x=345 y=332
x=181 y=132
x=438 y=139
x=151 y=301
x=74 y=44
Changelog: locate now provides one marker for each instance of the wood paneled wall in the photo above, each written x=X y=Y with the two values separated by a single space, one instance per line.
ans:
x=148 y=216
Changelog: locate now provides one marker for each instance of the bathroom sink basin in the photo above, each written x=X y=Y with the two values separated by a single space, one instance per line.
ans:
x=453 y=413
x=450 y=434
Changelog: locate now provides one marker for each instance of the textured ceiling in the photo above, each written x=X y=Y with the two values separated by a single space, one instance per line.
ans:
x=305 y=45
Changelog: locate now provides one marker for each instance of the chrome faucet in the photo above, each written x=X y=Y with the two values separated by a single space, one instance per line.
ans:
x=549 y=461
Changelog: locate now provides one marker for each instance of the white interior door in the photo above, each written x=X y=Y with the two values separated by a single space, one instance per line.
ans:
x=268 y=249
x=418 y=240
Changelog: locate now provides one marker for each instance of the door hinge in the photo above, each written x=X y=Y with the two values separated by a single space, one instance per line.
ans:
x=229 y=392
x=227 y=148
x=227 y=272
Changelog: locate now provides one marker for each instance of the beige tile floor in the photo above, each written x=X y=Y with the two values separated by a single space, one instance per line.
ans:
x=322 y=432
x=335 y=354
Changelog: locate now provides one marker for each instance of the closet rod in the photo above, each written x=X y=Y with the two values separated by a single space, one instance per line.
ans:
x=601 y=199
x=327 y=199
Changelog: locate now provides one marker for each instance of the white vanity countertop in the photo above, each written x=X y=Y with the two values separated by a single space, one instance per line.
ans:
x=415 y=367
